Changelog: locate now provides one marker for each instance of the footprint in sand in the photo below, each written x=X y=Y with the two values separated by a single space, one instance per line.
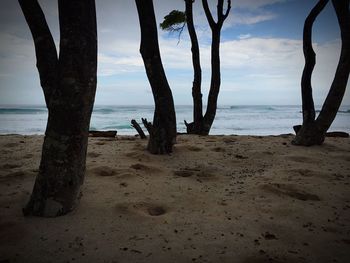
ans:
x=28 y=156
x=218 y=149
x=205 y=173
x=142 y=208
x=184 y=172
x=194 y=148
x=138 y=155
x=10 y=145
x=229 y=140
x=93 y=154
x=300 y=159
x=144 y=168
x=104 y=171
x=10 y=166
x=291 y=191
x=307 y=173
x=13 y=176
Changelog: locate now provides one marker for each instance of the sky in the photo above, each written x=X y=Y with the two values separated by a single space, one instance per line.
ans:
x=261 y=53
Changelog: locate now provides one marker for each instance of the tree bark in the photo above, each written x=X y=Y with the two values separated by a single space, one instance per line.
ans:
x=215 y=61
x=194 y=127
x=69 y=95
x=163 y=132
x=314 y=132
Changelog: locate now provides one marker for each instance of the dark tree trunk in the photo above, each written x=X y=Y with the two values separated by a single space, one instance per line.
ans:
x=215 y=61
x=195 y=127
x=307 y=132
x=215 y=81
x=314 y=132
x=69 y=84
x=336 y=93
x=163 y=130
x=310 y=61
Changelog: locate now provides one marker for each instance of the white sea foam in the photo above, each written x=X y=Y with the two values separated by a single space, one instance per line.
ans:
x=242 y=120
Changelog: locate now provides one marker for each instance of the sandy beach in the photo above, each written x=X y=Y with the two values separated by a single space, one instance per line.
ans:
x=215 y=199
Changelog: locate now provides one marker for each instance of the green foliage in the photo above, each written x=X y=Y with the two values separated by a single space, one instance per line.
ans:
x=174 y=21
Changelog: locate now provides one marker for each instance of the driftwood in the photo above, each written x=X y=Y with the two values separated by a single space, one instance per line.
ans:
x=337 y=134
x=159 y=142
x=328 y=134
x=102 y=133
x=148 y=125
x=296 y=128
x=138 y=129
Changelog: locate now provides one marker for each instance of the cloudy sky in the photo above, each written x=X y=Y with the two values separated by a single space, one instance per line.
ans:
x=261 y=53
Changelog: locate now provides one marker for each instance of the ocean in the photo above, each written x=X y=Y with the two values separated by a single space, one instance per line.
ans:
x=240 y=120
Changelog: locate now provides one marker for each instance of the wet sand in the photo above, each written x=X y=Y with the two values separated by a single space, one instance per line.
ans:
x=215 y=199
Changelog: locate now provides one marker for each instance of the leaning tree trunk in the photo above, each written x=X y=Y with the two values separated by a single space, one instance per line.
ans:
x=163 y=130
x=314 y=132
x=215 y=81
x=195 y=127
x=305 y=133
x=310 y=61
x=336 y=93
x=69 y=85
x=215 y=61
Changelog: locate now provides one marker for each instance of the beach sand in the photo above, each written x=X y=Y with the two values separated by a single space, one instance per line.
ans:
x=215 y=199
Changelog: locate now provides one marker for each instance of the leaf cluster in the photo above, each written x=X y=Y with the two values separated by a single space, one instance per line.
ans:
x=174 y=21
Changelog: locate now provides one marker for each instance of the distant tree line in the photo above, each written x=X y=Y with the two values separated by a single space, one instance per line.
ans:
x=68 y=80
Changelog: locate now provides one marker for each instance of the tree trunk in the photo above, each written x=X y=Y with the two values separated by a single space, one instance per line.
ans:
x=310 y=61
x=314 y=132
x=215 y=61
x=163 y=130
x=195 y=127
x=336 y=93
x=70 y=102
x=215 y=81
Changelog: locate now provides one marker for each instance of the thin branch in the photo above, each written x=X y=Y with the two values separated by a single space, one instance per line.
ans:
x=228 y=9
x=221 y=15
x=180 y=33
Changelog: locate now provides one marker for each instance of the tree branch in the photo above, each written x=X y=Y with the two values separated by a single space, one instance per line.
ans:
x=221 y=15
x=45 y=49
x=208 y=14
x=227 y=10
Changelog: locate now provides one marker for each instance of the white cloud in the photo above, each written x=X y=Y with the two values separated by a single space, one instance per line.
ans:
x=255 y=4
x=244 y=36
x=249 y=18
x=272 y=62
x=248 y=63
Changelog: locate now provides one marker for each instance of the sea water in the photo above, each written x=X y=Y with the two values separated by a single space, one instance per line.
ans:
x=241 y=120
